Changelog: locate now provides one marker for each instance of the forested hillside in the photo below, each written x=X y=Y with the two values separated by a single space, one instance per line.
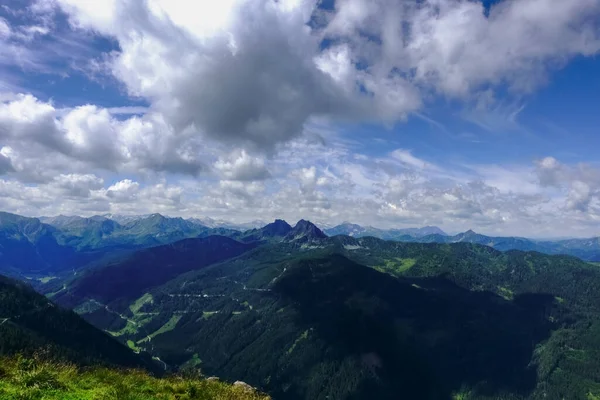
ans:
x=312 y=317
x=29 y=323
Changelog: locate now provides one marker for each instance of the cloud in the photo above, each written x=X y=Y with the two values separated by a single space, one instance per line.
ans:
x=240 y=71
x=550 y=172
x=580 y=196
x=240 y=166
x=406 y=157
x=92 y=136
x=580 y=182
x=5 y=30
x=76 y=185
x=236 y=105
x=255 y=72
x=125 y=190
x=5 y=163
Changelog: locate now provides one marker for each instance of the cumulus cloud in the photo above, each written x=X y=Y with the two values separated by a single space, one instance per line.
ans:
x=91 y=135
x=550 y=172
x=254 y=72
x=125 y=190
x=229 y=87
x=236 y=70
x=240 y=166
x=580 y=196
x=76 y=185
x=457 y=46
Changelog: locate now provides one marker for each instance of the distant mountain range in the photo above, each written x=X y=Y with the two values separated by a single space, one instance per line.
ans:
x=586 y=249
x=347 y=228
x=50 y=246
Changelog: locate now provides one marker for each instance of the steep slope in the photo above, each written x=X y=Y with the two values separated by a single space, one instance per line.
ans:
x=274 y=231
x=304 y=232
x=30 y=323
x=103 y=233
x=157 y=229
x=347 y=317
x=130 y=278
x=86 y=233
x=326 y=327
x=27 y=246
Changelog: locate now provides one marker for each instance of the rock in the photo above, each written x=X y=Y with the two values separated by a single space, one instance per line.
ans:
x=244 y=386
x=212 y=378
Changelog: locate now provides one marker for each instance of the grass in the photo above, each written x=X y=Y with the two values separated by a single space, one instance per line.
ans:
x=139 y=303
x=303 y=336
x=192 y=363
x=506 y=293
x=208 y=314
x=37 y=379
x=131 y=344
x=396 y=266
x=130 y=328
x=169 y=326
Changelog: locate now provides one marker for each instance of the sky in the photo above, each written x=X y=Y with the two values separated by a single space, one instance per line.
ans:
x=389 y=113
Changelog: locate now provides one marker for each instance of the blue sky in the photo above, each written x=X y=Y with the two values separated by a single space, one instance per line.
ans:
x=452 y=113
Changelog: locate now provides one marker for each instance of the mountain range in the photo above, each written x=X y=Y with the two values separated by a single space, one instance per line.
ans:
x=587 y=249
x=305 y=314
x=354 y=230
x=46 y=247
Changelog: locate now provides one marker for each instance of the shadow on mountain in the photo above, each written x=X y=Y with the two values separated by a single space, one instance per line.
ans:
x=416 y=338
x=130 y=278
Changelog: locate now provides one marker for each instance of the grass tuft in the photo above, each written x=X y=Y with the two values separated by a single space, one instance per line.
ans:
x=37 y=379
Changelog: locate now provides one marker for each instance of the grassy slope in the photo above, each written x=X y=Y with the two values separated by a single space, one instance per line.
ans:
x=31 y=379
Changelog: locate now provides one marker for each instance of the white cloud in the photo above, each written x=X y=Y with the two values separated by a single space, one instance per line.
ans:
x=580 y=196
x=240 y=166
x=125 y=190
x=254 y=72
x=407 y=158
x=242 y=95
x=91 y=135
x=77 y=185
x=5 y=30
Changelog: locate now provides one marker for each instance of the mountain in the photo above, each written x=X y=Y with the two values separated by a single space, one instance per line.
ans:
x=344 y=317
x=84 y=233
x=131 y=277
x=354 y=230
x=124 y=219
x=29 y=322
x=586 y=249
x=304 y=232
x=42 y=348
x=101 y=232
x=28 y=246
x=275 y=230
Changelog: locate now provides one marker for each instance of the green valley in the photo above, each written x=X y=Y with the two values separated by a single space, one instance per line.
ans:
x=343 y=317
